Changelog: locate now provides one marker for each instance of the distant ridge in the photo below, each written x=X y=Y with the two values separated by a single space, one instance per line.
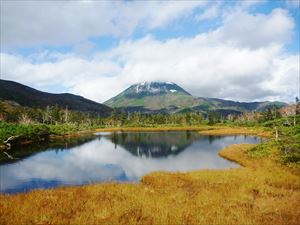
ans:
x=168 y=97
x=26 y=96
x=145 y=97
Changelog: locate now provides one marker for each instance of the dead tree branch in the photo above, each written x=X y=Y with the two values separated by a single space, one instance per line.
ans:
x=10 y=139
x=9 y=156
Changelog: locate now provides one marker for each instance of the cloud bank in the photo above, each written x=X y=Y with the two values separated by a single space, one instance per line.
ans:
x=33 y=23
x=243 y=59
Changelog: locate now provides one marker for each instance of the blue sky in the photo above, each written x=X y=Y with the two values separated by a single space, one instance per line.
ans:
x=241 y=50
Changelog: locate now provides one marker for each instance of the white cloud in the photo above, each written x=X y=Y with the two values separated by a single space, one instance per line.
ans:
x=285 y=73
x=71 y=72
x=254 y=31
x=220 y=71
x=35 y=23
x=217 y=71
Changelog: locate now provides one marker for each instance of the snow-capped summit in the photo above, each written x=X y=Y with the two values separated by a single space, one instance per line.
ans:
x=157 y=87
x=155 y=95
x=168 y=97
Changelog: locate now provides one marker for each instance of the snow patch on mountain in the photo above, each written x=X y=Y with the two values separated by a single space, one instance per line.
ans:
x=156 y=88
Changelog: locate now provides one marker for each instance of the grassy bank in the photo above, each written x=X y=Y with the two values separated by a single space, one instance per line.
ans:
x=264 y=191
x=157 y=128
x=223 y=131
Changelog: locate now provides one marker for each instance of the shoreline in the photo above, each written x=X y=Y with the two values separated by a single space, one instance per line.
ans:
x=204 y=130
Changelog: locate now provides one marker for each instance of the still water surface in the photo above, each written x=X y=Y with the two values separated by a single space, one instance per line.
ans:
x=121 y=156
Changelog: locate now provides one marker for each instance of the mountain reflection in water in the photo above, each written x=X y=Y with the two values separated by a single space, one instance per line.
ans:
x=153 y=144
x=120 y=156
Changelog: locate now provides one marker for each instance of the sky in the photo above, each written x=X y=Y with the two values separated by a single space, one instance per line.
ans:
x=246 y=50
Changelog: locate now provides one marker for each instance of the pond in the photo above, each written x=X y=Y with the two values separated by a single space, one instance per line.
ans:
x=118 y=156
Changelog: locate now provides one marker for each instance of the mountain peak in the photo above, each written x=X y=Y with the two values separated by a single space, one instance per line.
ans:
x=157 y=87
x=152 y=95
x=155 y=82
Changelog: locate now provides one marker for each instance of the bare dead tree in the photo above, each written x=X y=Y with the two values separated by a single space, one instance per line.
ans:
x=8 y=140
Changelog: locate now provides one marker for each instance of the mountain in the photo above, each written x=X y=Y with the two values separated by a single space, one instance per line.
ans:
x=26 y=96
x=153 y=97
x=167 y=97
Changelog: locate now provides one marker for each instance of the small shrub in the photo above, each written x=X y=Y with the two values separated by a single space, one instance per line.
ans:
x=260 y=151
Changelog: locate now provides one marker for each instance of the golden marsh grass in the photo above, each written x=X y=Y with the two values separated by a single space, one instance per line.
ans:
x=236 y=131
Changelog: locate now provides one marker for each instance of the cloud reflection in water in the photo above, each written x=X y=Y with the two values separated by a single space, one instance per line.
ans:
x=118 y=157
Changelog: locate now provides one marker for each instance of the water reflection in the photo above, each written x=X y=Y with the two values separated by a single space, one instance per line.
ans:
x=153 y=144
x=117 y=157
x=63 y=144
